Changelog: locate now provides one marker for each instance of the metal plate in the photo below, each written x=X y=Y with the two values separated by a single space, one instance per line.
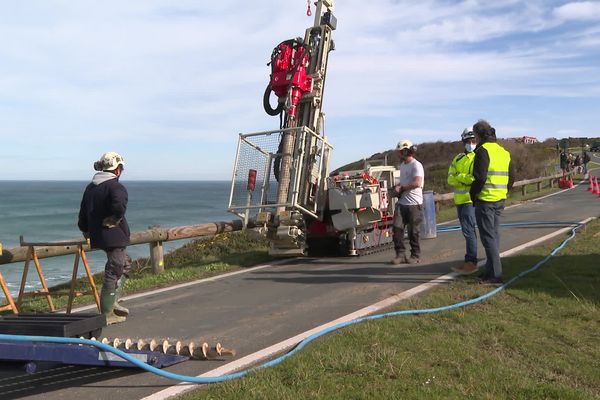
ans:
x=62 y=325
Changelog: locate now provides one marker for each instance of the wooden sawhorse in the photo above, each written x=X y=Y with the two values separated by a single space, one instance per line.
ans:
x=32 y=255
x=11 y=303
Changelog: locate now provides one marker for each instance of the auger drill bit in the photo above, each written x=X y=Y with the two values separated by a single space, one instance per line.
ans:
x=168 y=348
x=222 y=351
x=198 y=352
x=218 y=351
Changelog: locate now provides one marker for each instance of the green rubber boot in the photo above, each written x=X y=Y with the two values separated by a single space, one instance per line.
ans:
x=107 y=303
x=119 y=309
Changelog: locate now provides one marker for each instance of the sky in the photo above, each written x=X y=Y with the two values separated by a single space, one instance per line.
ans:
x=170 y=84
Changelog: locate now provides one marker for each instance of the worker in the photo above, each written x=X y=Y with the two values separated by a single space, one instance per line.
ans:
x=585 y=158
x=409 y=208
x=102 y=220
x=460 y=177
x=494 y=177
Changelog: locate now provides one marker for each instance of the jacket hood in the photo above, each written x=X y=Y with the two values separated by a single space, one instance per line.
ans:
x=101 y=177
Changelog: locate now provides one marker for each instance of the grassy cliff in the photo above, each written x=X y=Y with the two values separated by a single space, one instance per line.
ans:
x=529 y=160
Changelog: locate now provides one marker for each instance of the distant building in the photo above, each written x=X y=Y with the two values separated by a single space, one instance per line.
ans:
x=526 y=140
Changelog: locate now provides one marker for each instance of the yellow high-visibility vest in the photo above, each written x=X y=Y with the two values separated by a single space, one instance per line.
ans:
x=460 y=177
x=496 y=183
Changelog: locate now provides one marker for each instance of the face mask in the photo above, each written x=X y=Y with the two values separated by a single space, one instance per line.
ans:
x=469 y=147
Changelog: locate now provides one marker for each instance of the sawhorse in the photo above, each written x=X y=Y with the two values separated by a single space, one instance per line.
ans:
x=11 y=303
x=32 y=255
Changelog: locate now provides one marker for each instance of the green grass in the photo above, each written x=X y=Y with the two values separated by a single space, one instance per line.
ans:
x=538 y=339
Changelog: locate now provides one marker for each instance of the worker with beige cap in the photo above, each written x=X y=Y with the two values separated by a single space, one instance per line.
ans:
x=102 y=220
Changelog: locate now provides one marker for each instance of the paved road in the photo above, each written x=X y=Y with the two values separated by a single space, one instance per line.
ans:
x=259 y=308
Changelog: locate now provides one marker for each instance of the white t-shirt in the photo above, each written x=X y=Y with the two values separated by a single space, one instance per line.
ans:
x=408 y=172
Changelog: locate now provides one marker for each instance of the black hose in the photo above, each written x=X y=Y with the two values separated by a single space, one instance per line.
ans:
x=267 y=104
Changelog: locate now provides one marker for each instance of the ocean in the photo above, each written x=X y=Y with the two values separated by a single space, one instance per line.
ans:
x=48 y=210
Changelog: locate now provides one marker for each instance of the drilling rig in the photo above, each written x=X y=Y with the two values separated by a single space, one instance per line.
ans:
x=281 y=184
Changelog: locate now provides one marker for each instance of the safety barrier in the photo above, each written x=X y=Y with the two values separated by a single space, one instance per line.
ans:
x=155 y=236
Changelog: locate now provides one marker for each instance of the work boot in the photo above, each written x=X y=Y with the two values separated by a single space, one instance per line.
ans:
x=107 y=303
x=413 y=260
x=467 y=268
x=119 y=309
x=400 y=259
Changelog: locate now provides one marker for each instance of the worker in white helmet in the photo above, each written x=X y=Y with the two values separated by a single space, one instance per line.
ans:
x=102 y=220
x=460 y=177
x=409 y=208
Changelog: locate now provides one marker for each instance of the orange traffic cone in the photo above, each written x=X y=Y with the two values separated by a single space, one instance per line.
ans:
x=591 y=188
x=596 y=188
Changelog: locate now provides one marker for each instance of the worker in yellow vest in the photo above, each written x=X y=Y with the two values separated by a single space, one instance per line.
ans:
x=494 y=177
x=460 y=177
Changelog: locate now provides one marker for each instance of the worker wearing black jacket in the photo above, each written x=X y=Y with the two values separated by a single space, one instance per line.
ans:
x=102 y=220
x=494 y=177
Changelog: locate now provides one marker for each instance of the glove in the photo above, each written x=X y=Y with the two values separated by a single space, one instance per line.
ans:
x=397 y=191
x=465 y=179
x=111 y=222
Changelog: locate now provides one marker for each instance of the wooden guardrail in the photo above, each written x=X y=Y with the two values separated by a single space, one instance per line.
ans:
x=522 y=184
x=155 y=236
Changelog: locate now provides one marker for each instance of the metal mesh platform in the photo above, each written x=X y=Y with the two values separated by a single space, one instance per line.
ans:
x=260 y=152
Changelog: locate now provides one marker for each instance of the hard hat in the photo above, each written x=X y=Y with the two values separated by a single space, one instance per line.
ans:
x=109 y=161
x=404 y=144
x=467 y=134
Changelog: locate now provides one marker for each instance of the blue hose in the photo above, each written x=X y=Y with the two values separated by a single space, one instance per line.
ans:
x=303 y=343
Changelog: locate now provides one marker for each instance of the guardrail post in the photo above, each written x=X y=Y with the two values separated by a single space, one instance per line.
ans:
x=539 y=186
x=524 y=190
x=157 y=257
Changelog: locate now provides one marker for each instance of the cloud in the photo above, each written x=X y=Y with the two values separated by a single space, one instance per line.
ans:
x=578 y=11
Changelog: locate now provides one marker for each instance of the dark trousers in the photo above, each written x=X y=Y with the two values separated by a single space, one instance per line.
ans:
x=409 y=218
x=118 y=263
x=466 y=217
x=488 y=221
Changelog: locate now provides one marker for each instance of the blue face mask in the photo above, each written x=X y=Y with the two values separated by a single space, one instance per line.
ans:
x=469 y=147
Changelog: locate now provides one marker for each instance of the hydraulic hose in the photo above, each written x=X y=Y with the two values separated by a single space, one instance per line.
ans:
x=303 y=343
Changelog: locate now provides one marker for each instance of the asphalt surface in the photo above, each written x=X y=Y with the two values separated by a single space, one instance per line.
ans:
x=254 y=310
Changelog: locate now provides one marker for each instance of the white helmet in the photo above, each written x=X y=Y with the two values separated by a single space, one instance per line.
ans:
x=109 y=162
x=467 y=134
x=404 y=144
